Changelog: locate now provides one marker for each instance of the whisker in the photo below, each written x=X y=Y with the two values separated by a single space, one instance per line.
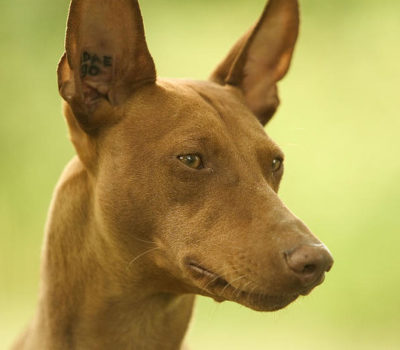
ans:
x=243 y=290
x=141 y=255
x=251 y=293
x=143 y=240
x=210 y=282
x=230 y=284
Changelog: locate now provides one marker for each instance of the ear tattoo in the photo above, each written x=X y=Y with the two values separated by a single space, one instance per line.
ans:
x=91 y=63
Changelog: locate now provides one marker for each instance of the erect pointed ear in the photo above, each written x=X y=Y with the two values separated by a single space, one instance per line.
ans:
x=262 y=57
x=106 y=58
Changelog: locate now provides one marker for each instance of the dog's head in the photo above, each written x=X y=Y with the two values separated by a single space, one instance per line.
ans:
x=184 y=178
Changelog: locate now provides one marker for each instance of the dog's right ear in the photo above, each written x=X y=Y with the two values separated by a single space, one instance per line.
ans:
x=106 y=59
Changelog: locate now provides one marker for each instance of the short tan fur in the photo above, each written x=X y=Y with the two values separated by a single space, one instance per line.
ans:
x=173 y=191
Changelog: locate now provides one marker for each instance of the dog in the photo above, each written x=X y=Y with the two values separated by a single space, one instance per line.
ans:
x=173 y=191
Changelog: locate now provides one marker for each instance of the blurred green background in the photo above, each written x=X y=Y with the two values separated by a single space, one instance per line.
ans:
x=338 y=124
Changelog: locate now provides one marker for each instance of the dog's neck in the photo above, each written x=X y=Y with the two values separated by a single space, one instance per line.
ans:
x=86 y=300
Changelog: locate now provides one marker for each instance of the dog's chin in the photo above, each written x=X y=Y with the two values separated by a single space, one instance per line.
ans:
x=209 y=284
x=263 y=302
x=255 y=301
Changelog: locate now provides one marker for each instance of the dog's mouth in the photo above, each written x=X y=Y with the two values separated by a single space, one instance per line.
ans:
x=213 y=285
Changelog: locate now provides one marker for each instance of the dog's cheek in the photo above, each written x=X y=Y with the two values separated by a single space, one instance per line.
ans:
x=123 y=208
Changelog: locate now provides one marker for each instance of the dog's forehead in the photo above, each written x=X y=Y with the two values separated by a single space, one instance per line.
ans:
x=197 y=110
x=230 y=112
x=211 y=105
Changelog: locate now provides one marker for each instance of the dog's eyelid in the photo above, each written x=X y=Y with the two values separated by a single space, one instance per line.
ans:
x=279 y=154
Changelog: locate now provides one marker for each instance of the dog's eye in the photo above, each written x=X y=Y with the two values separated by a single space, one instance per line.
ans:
x=192 y=161
x=276 y=164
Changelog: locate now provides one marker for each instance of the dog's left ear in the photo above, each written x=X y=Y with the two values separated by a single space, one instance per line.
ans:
x=262 y=57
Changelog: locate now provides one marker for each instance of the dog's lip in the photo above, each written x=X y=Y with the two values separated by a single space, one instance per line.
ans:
x=200 y=271
x=220 y=289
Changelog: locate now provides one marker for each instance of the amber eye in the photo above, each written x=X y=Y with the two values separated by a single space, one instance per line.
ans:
x=192 y=161
x=277 y=164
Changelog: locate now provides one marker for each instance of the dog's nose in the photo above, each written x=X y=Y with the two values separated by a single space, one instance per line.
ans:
x=309 y=263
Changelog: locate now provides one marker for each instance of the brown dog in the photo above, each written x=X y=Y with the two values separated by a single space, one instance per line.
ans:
x=173 y=192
